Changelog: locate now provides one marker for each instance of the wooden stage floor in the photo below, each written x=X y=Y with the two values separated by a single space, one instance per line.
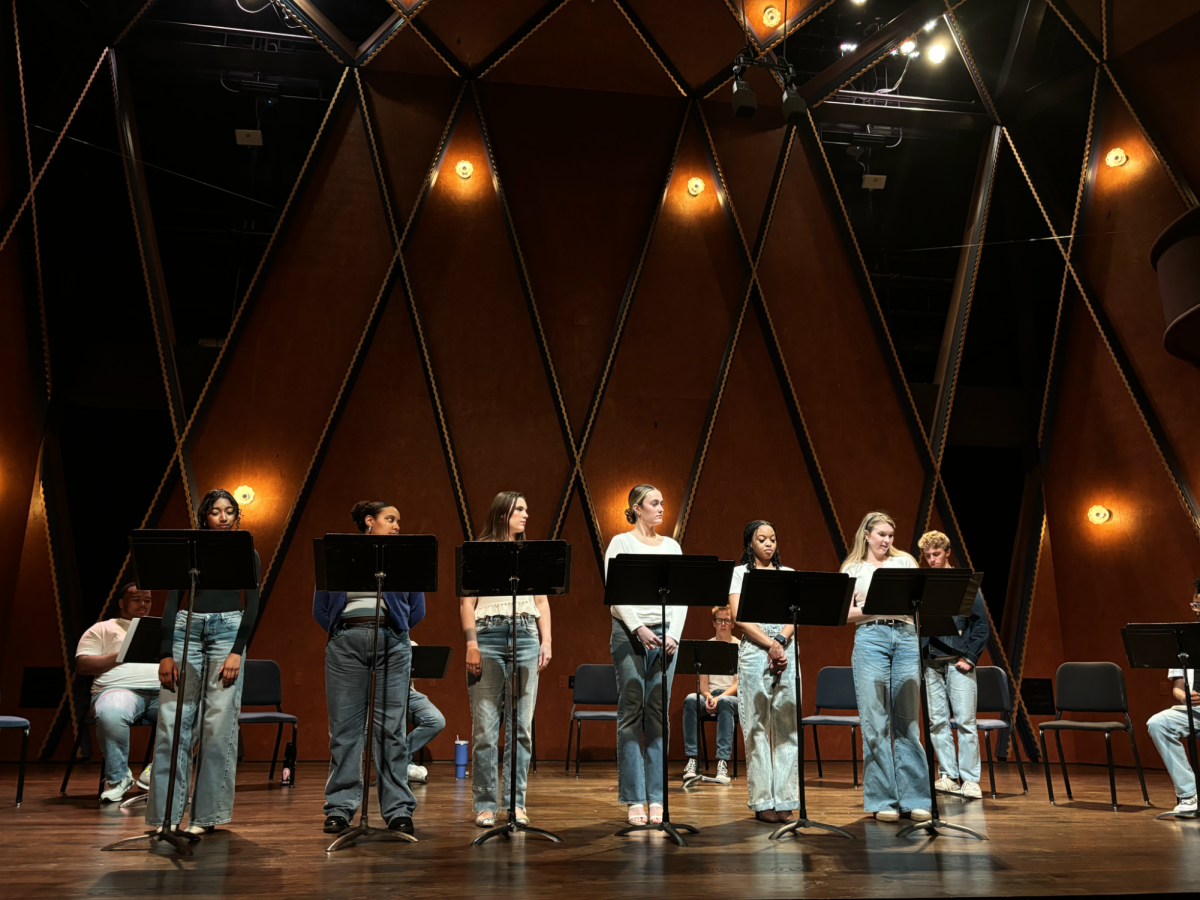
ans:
x=275 y=848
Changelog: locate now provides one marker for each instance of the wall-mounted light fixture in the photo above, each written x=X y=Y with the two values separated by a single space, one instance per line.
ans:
x=1116 y=157
x=771 y=17
x=244 y=494
x=464 y=169
x=937 y=53
x=695 y=186
x=1098 y=515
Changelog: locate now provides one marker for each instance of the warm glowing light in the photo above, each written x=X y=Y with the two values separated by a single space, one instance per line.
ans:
x=858 y=2
x=931 y=24
x=1098 y=515
x=464 y=169
x=695 y=186
x=937 y=53
x=1116 y=157
x=908 y=47
x=848 y=47
x=244 y=494
x=771 y=17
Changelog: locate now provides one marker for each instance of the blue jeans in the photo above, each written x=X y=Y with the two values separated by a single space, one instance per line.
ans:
x=639 y=710
x=489 y=697
x=115 y=710
x=768 y=708
x=427 y=721
x=211 y=708
x=952 y=692
x=347 y=685
x=887 y=682
x=727 y=715
x=1169 y=729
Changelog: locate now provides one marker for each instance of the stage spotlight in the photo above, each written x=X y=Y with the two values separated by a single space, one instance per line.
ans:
x=794 y=107
x=937 y=53
x=1098 y=515
x=931 y=24
x=858 y=2
x=908 y=47
x=848 y=47
x=771 y=17
x=695 y=186
x=745 y=104
x=1116 y=157
x=464 y=169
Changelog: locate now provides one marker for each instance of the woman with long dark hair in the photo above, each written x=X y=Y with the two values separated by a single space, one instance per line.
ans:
x=488 y=626
x=349 y=620
x=766 y=688
x=221 y=629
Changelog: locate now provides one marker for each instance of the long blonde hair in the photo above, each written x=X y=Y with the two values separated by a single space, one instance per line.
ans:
x=495 y=526
x=858 y=552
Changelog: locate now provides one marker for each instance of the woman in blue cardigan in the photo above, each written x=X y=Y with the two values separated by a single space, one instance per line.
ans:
x=348 y=620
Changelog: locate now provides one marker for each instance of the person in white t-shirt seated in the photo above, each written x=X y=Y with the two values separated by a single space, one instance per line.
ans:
x=122 y=693
x=1169 y=728
x=718 y=696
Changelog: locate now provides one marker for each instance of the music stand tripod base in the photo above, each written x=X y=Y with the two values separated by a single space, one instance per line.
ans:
x=932 y=827
x=671 y=829
x=508 y=829
x=795 y=826
x=1175 y=815
x=369 y=832
x=181 y=840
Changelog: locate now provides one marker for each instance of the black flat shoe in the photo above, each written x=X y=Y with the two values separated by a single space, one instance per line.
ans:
x=403 y=824
x=336 y=824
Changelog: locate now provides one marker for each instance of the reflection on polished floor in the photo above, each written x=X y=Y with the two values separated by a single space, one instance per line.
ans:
x=275 y=846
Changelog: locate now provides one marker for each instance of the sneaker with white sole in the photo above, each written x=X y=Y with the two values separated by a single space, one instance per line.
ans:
x=691 y=770
x=417 y=774
x=116 y=791
x=920 y=815
x=723 y=773
x=887 y=815
x=1186 y=805
x=946 y=785
x=970 y=790
x=143 y=780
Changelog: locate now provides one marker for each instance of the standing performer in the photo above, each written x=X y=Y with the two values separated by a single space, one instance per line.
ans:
x=950 y=685
x=487 y=625
x=220 y=631
x=767 y=689
x=349 y=620
x=638 y=636
x=887 y=682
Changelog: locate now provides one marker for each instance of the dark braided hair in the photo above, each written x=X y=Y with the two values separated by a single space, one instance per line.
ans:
x=210 y=500
x=748 y=551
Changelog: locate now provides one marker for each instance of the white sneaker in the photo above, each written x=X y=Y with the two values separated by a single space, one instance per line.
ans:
x=970 y=790
x=691 y=770
x=1186 y=805
x=946 y=785
x=417 y=774
x=723 y=773
x=116 y=791
x=920 y=815
x=887 y=815
x=143 y=780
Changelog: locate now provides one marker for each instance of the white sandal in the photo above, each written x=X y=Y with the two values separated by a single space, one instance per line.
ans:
x=639 y=817
x=656 y=819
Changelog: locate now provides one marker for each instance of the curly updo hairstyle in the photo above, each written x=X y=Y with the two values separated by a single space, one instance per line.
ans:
x=210 y=500
x=364 y=508
x=636 y=496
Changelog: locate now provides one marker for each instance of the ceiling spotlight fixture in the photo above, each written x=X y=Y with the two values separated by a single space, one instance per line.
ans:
x=695 y=186
x=931 y=24
x=859 y=2
x=1098 y=515
x=244 y=494
x=771 y=17
x=464 y=169
x=794 y=108
x=848 y=47
x=1116 y=157
x=745 y=104
x=908 y=47
x=937 y=53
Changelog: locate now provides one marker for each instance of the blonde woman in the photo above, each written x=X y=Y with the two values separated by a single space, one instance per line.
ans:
x=886 y=665
x=639 y=634
x=487 y=626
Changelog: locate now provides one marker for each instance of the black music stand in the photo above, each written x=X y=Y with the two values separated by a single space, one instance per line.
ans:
x=428 y=662
x=797 y=598
x=187 y=560
x=494 y=568
x=1162 y=646
x=937 y=596
x=706 y=658
x=360 y=563
x=640 y=579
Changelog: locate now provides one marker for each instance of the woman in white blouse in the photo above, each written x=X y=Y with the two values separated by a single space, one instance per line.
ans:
x=886 y=664
x=487 y=625
x=639 y=635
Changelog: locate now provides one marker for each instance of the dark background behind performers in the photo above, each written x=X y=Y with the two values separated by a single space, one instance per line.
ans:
x=584 y=132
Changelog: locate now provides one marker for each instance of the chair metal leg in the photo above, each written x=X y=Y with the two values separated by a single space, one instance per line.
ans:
x=71 y=762
x=817 y=753
x=149 y=748
x=703 y=742
x=987 y=742
x=100 y=785
x=570 y=737
x=1062 y=763
x=1112 y=776
x=1046 y=763
x=1136 y=761
x=21 y=770
x=296 y=746
x=1020 y=766
x=578 y=745
x=735 y=729
x=533 y=742
x=275 y=753
x=854 y=753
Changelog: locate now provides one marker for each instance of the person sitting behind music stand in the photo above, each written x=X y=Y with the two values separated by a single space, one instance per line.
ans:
x=718 y=693
x=122 y=693
x=1169 y=729
x=427 y=723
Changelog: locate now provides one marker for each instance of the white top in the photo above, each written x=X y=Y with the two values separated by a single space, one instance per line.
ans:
x=635 y=617
x=1191 y=680
x=863 y=572
x=502 y=606
x=361 y=603
x=106 y=637
x=739 y=572
x=722 y=682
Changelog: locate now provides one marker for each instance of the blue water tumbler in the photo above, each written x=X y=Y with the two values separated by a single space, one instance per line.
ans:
x=460 y=759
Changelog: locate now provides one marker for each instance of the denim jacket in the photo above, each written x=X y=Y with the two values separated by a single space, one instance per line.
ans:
x=969 y=643
x=404 y=610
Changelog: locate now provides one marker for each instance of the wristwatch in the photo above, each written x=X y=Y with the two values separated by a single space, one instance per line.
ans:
x=783 y=641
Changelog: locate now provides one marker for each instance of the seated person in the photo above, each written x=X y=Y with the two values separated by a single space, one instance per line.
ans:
x=1169 y=729
x=718 y=694
x=427 y=723
x=121 y=694
x=950 y=684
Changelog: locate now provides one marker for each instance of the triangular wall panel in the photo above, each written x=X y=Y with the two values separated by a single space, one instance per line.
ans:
x=748 y=152
x=699 y=40
x=472 y=29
